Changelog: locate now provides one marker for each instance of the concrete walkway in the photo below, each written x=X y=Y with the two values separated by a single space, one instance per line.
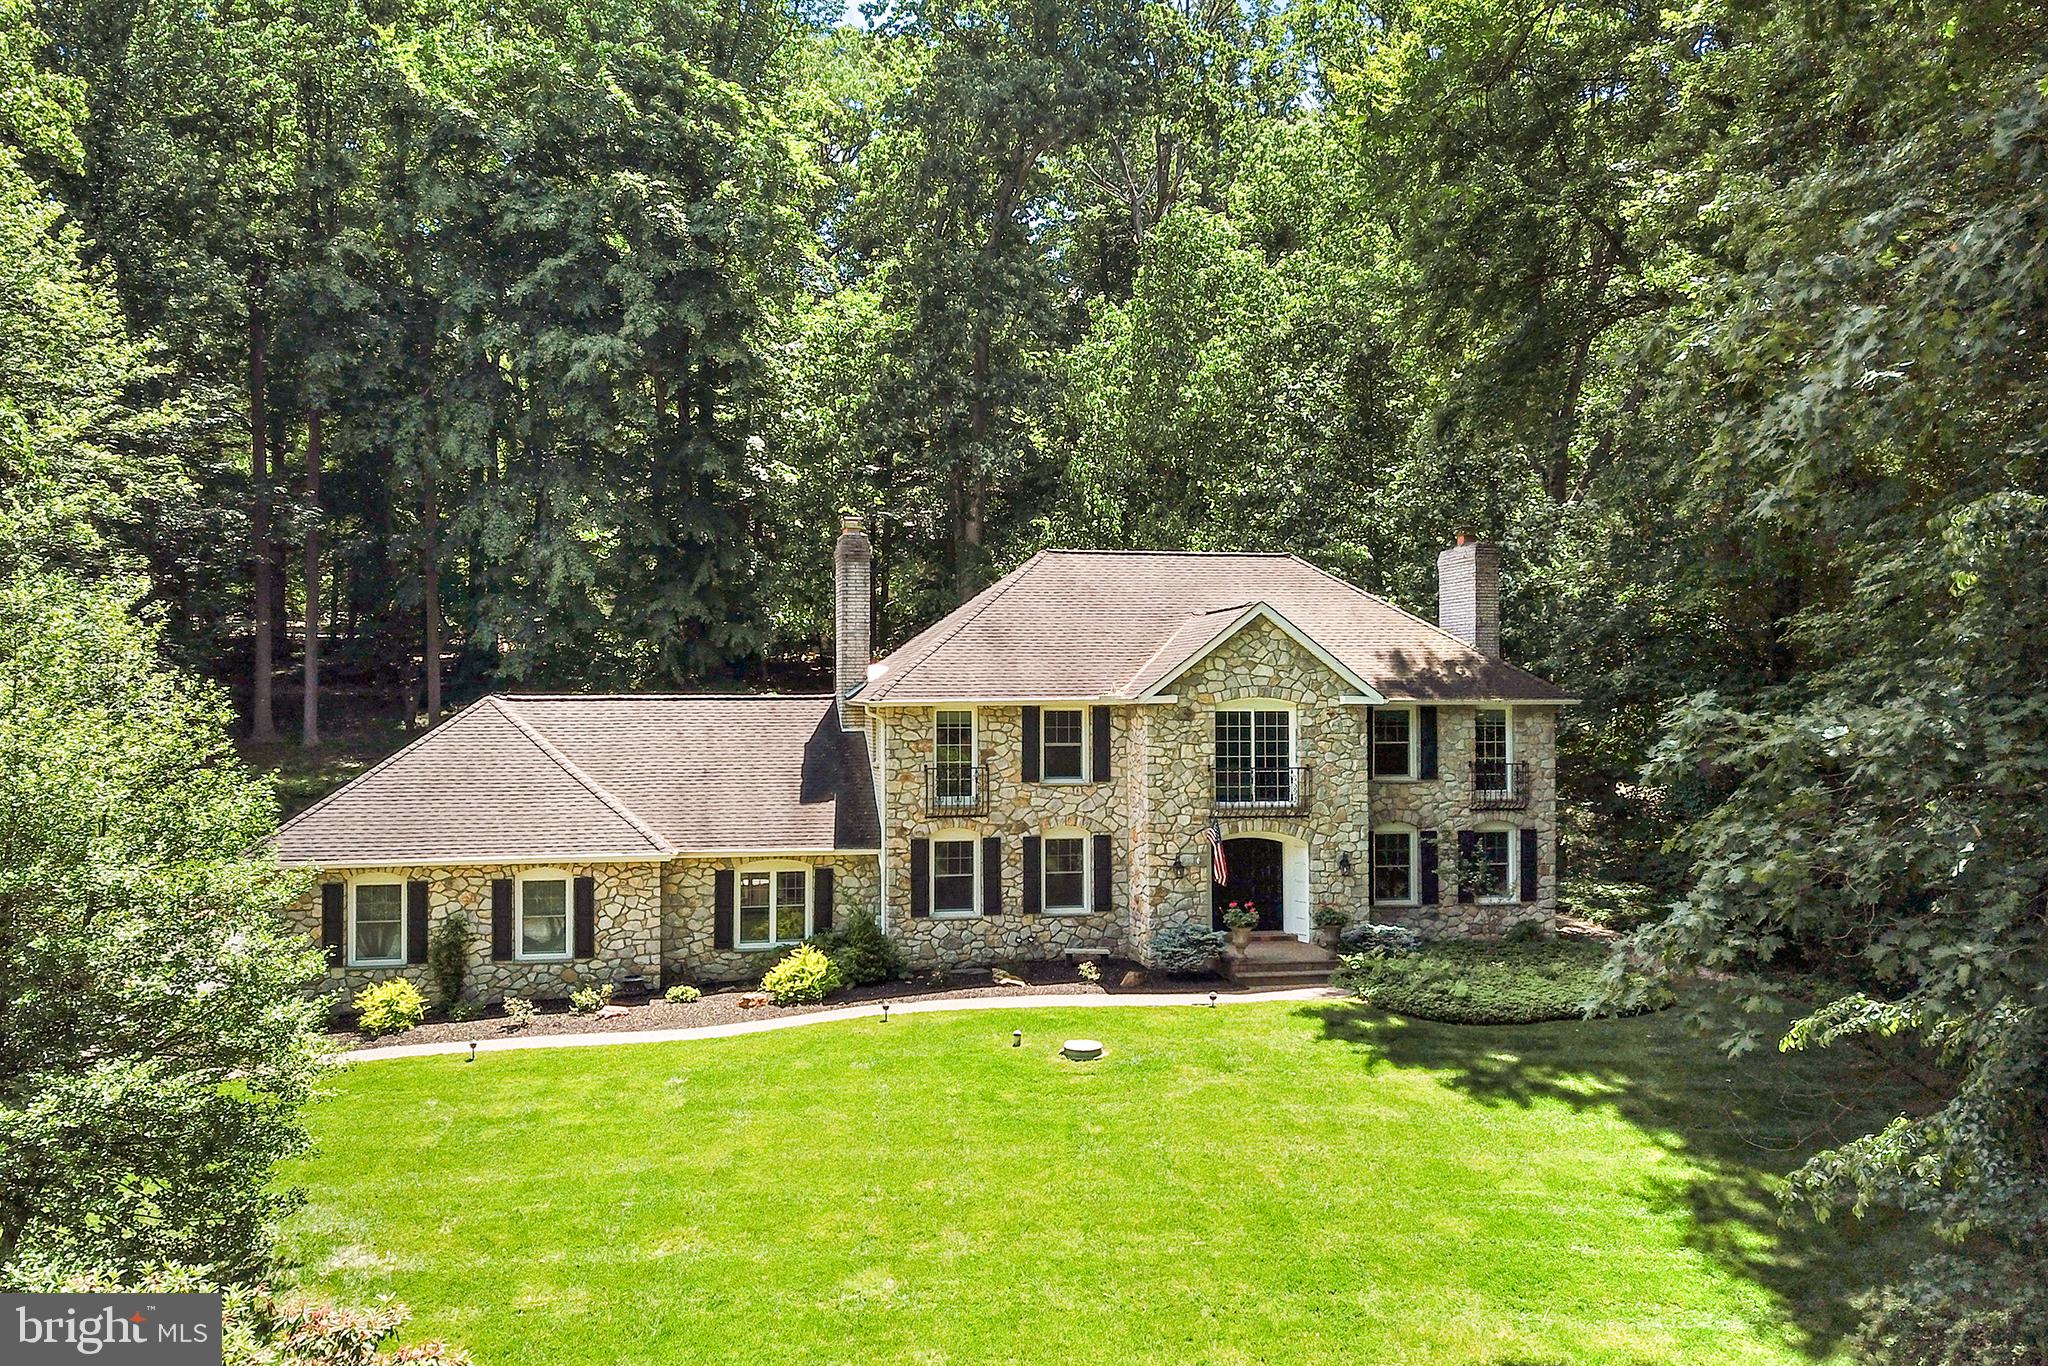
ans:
x=867 y=1010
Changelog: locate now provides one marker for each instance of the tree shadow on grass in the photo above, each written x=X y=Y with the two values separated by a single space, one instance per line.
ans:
x=1741 y=1124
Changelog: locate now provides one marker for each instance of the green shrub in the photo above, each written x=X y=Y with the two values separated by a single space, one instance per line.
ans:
x=1088 y=971
x=1393 y=940
x=1185 y=949
x=1241 y=915
x=519 y=1012
x=682 y=995
x=448 y=959
x=805 y=977
x=389 y=1007
x=1619 y=906
x=1330 y=918
x=590 y=1000
x=464 y=1011
x=1471 y=982
x=864 y=954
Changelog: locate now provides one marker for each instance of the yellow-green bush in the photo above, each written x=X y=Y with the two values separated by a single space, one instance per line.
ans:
x=805 y=977
x=389 y=1007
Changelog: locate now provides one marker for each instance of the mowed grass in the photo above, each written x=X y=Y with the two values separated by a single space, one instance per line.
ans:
x=1272 y=1182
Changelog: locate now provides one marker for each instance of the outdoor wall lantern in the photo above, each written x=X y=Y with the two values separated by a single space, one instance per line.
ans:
x=1183 y=863
x=1344 y=864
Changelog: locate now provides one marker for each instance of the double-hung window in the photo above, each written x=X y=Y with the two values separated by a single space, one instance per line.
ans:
x=377 y=928
x=1393 y=742
x=1062 y=745
x=1066 y=872
x=543 y=933
x=1492 y=750
x=775 y=907
x=1393 y=867
x=953 y=776
x=1495 y=850
x=953 y=880
x=1254 y=756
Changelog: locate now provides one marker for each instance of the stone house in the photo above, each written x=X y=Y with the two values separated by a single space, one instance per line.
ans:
x=1049 y=771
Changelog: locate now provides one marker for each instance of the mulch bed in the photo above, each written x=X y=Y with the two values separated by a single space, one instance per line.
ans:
x=721 y=1005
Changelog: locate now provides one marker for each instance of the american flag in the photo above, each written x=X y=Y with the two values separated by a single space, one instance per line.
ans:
x=1219 y=862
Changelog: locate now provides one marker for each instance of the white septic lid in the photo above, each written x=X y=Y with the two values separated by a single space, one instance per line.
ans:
x=1081 y=1050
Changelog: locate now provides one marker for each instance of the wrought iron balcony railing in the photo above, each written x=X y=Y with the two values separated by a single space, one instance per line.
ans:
x=956 y=789
x=1262 y=791
x=1498 y=785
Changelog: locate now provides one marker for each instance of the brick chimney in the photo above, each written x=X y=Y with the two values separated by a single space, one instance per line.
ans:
x=852 y=603
x=1468 y=593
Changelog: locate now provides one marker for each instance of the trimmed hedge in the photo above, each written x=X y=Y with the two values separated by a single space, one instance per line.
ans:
x=1462 y=981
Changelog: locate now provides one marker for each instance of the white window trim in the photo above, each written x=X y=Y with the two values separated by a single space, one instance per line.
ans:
x=931 y=886
x=1506 y=711
x=1414 y=747
x=1087 y=749
x=1067 y=832
x=1294 y=761
x=973 y=750
x=356 y=960
x=519 y=953
x=1512 y=889
x=771 y=868
x=1414 y=897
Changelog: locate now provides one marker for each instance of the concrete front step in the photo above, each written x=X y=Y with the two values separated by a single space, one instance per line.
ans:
x=1275 y=960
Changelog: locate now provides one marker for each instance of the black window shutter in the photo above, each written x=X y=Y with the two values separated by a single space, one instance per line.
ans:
x=1033 y=902
x=1529 y=839
x=1468 y=855
x=1372 y=758
x=415 y=922
x=1425 y=764
x=1098 y=725
x=1031 y=744
x=501 y=919
x=1431 y=887
x=333 y=923
x=920 y=877
x=992 y=875
x=721 y=909
x=586 y=917
x=1102 y=873
x=821 y=900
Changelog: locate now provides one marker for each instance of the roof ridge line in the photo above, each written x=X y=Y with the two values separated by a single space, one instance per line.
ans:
x=378 y=767
x=1006 y=583
x=596 y=789
x=666 y=696
x=1391 y=605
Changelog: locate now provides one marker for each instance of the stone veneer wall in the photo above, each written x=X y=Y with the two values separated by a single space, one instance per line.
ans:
x=1016 y=809
x=688 y=912
x=1443 y=804
x=627 y=902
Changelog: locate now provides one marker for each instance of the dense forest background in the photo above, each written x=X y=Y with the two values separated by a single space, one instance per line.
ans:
x=381 y=352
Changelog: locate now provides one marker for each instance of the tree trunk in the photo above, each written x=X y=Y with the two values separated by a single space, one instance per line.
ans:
x=262 y=725
x=309 y=724
x=430 y=593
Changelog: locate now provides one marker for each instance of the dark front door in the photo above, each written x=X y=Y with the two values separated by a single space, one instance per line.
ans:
x=1254 y=877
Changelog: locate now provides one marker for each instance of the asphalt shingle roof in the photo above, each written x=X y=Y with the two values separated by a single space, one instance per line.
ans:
x=590 y=778
x=1109 y=624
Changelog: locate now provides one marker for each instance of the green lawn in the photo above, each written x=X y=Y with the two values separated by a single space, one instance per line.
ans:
x=1280 y=1182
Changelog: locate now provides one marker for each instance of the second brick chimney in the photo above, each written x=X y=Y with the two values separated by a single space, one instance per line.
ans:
x=1468 y=593
x=852 y=602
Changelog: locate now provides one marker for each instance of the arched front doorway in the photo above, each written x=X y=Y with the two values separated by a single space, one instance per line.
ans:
x=1257 y=872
